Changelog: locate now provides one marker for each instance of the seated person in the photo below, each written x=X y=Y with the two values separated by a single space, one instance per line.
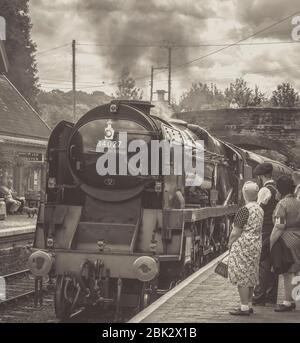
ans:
x=15 y=197
x=12 y=205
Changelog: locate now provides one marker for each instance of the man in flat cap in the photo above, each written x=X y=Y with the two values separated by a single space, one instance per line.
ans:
x=266 y=290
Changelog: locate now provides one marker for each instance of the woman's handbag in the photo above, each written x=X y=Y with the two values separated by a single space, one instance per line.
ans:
x=222 y=268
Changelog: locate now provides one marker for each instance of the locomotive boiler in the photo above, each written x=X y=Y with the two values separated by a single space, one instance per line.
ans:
x=121 y=240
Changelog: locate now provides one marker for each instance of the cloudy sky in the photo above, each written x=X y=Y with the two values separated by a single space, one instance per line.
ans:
x=115 y=34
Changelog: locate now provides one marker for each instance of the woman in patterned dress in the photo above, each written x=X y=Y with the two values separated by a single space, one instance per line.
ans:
x=285 y=241
x=245 y=244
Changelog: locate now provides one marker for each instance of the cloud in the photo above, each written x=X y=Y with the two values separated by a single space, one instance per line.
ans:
x=257 y=14
x=123 y=24
x=118 y=32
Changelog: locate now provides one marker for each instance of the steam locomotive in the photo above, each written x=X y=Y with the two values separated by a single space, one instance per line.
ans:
x=121 y=240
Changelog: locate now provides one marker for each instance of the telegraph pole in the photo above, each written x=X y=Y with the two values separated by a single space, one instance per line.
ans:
x=74 y=79
x=169 y=68
x=170 y=71
x=151 y=84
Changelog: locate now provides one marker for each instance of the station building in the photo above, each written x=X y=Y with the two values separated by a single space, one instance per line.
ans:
x=23 y=137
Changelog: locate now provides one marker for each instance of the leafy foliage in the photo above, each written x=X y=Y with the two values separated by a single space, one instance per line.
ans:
x=285 y=96
x=243 y=95
x=57 y=105
x=126 y=87
x=202 y=95
x=20 y=48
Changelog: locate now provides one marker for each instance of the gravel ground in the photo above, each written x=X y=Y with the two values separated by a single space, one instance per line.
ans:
x=25 y=312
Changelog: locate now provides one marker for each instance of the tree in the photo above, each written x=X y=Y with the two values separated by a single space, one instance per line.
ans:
x=57 y=105
x=258 y=97
x=20 y=48
x=126 y=87
x=242 y=94
x=285 y=96
x=200 y=96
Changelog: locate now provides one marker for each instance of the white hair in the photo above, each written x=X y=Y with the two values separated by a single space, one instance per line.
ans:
x=250 y=190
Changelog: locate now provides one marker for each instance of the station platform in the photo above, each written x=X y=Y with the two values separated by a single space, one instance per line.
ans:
x=205 y=297
x=16 y=231
x=16 y=236
x=18 y=223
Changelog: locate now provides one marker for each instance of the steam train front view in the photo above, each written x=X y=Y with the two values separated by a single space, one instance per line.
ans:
x=119 y=238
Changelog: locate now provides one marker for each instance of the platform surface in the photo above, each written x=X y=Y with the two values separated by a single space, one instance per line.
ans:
x=17 y=224
x=207 y=299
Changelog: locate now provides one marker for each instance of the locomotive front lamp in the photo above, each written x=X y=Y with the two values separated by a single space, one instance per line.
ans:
x=153 y=246
x=50 y=242
x=101 y=245
x=51 y=182
x=158 y=187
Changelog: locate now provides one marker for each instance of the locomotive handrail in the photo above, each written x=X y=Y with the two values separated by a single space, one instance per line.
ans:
x=228 y=197
x=195 y=214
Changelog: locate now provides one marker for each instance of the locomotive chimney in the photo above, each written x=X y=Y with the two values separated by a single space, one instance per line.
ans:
x=161 y=95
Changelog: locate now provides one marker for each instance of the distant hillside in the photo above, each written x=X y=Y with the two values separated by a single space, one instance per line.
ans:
x=56 y=105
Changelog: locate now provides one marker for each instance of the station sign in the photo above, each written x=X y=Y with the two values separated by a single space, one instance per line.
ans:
x=32 y=156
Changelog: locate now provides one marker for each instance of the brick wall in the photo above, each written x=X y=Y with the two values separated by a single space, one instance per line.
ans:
x=271 y=128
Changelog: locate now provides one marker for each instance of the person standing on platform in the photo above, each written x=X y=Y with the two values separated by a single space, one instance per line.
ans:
x=245 y=244
x=296 y=179
x=285 y=240
x=267 y=288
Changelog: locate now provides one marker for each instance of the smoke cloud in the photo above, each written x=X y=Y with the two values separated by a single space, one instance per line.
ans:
x=125 y=30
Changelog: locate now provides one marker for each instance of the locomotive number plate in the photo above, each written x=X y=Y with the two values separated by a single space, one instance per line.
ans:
x=104 y=143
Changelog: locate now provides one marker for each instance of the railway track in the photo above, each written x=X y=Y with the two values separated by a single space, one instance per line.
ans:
x=96 y=314
x=19 y=303
x=18 y=285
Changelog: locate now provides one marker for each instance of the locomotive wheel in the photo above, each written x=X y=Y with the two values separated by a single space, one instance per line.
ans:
x=63 y=308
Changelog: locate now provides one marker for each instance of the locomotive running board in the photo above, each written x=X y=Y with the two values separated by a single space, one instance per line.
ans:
x=163 y=258
x=194 y=215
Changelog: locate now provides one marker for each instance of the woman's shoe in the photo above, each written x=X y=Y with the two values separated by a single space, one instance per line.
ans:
x=239 y=312
x=284 y=308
